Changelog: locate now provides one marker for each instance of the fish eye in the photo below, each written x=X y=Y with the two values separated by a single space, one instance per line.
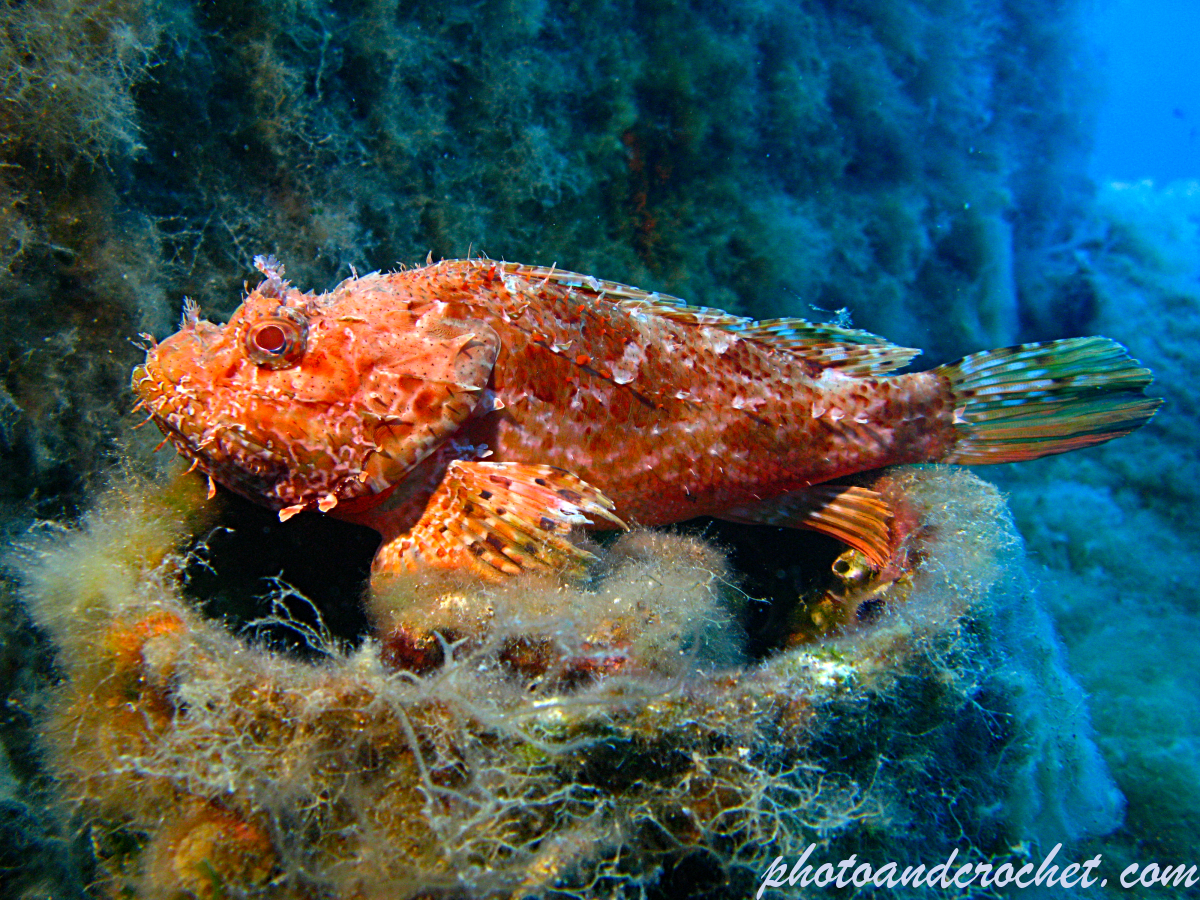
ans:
x=278 y=340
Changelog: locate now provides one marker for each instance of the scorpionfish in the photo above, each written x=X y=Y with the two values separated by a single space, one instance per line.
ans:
x=474 y=412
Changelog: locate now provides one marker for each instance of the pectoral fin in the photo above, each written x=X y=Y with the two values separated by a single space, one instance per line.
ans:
x=853 y=515
x=497 y=519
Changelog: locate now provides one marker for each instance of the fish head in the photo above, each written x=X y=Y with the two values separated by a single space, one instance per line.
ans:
x=302 y=400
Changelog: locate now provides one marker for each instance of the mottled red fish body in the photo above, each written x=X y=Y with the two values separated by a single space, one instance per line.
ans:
x=474 y=412
x=672 y=417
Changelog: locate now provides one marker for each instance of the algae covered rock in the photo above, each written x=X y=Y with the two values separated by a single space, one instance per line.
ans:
x=614 y=738
x=891 y=158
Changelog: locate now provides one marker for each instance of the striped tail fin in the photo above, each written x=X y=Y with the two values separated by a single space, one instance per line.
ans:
x=1034 y=400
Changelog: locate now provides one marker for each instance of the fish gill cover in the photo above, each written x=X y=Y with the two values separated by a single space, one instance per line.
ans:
x=918 y=164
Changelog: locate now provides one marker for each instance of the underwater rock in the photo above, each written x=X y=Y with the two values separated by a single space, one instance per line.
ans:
x=1101 y=530
x=633 y=749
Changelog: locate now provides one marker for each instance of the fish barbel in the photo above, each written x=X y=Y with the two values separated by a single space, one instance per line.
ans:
x=474 y=411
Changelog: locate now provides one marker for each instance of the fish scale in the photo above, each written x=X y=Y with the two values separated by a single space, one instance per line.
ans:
x=399 y=400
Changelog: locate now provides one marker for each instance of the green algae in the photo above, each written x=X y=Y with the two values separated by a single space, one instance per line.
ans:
x=762 y=157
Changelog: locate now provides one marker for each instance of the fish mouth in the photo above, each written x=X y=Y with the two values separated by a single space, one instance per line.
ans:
x=225 y=453
x=250 y=445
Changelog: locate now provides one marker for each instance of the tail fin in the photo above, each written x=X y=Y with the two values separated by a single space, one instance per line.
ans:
x=1033 y=400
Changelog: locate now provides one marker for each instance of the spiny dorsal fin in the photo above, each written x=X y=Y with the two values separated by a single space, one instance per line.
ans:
x=829 y=346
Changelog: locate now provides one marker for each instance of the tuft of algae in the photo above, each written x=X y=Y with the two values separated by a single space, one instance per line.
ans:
x=613 y=738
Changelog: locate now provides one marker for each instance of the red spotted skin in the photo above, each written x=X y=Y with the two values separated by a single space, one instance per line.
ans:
x=670 y=416
x=744 y=429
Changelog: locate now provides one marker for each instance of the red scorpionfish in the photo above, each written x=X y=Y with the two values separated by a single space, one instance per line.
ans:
x=474 y=412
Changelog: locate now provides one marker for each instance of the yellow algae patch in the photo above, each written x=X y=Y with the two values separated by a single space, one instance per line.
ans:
x=539 y=735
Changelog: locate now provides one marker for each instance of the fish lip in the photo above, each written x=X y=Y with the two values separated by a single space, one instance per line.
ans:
x=194 y=438
x=232 y=455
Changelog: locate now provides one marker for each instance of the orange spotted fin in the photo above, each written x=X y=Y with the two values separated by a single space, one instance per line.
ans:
x=499 y=519
x=849 y=350
x=855 y=516
x=1019 y=403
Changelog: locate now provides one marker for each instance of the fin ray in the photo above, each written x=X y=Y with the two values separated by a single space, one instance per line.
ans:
x=497 y=519
x=1034 y=400
x=849 y=350
x=855 y=516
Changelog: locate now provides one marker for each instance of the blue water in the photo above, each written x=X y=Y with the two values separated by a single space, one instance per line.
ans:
x=901 y=160
x=1149 y=118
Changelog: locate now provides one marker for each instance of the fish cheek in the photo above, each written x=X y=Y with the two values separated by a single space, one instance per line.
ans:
x=429 y=390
